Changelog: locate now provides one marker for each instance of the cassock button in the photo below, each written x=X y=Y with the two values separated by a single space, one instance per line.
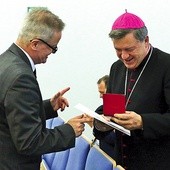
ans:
x=124 y=145
x=124 y=156
x=132 y=80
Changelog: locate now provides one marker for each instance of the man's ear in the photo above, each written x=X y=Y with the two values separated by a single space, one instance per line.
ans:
x=34 y=44
x=147 y=39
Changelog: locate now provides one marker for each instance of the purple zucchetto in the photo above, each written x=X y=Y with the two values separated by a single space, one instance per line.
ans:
x=128 y=21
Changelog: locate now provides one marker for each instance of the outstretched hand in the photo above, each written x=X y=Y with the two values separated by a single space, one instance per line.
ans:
x=78 y=123
x=89 y=119
x=58 y=101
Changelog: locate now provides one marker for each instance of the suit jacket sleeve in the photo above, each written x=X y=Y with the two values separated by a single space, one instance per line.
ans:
x=50 y=113
x=25 y=115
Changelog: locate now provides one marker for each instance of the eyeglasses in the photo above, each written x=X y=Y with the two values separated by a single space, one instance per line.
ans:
x=54 y=49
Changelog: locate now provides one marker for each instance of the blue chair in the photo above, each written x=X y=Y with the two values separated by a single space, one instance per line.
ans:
x=60 y=160
x=57 y=122
x=99 y=160
x=49 y=158
x=78 y=154
x=49 y=123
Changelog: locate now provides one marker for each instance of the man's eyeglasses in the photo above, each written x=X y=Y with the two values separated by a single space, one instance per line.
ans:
x=54 y=49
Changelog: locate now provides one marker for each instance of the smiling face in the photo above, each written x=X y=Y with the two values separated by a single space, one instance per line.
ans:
x=130 y=50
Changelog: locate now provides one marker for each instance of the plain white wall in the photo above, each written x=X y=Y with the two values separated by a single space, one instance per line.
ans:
x=85 y=50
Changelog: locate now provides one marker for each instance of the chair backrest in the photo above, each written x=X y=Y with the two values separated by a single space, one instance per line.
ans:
x=57 y=121
x=50 y=124
x=78 y=154
x=82 y=157
x=60 y=160
x=48 y=160
x=99 y=160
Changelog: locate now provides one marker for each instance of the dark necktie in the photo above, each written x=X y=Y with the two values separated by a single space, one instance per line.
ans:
x=35 y=73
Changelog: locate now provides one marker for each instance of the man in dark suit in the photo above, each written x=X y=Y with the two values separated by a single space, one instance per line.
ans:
x=142 y=74
x=23 y=135
x=106 y=138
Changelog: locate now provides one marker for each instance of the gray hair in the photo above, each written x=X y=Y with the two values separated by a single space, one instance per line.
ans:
x=139 y=34
x=40 y=23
